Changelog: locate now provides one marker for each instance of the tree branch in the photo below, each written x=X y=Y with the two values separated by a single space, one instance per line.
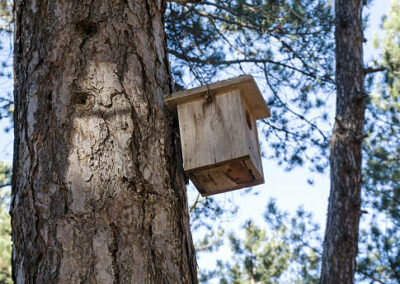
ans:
x=211 y=61
x=370 y=70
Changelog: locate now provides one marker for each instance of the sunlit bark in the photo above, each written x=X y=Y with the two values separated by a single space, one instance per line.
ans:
x=98 y=189
x=341 y=236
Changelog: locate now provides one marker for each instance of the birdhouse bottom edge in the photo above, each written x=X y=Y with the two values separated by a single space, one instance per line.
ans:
x=226 y=176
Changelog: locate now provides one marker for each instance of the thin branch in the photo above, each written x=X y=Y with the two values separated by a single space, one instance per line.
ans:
x=288 y=132
x=366 y=274
x=212 y=20
x=211 y=61
x=240 y=25
x=256 y=27
x=313 y=125
x=370 y=70
x=193 y=206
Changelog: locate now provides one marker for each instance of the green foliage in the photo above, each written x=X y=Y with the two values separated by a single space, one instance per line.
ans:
x=5 y=177
x=6 y=17
x=6 y=99
x=206 y=218
x=5 y=226
x=379 y=258
x=282 y=252
x=258 y=258
x=6 y=107
x=287 y=45
x=205 y=212
x=5 y=245
x=391 y=53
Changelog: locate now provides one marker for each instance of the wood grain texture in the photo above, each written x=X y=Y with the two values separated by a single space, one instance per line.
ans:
x=212 y=132
x=98 y=189
x=219 y=143
x=227 y=176
x=252 y=138
x=245 y=84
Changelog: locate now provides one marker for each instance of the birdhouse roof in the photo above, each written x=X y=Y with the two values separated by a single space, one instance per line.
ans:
x=246 y=84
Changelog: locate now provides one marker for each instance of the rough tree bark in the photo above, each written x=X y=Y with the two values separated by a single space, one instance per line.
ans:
x=341 y=235
x=98 y=189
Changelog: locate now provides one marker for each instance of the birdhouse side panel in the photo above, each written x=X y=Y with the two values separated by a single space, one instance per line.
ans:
x=212 y=131
x=252 y=138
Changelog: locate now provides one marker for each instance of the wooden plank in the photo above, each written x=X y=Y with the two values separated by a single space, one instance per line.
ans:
x=252 y=138
x=231 y=175
x=212 y=132
x=245 y=84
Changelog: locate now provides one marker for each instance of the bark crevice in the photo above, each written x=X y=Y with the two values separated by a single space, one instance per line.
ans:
x=341 y=235
x=98 y=186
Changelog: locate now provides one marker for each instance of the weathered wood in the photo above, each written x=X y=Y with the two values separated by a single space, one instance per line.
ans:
x=219 y=134
x=245 y=84
x=98 y=186
x=252 y=138
x=212 y=132
x=228 y=176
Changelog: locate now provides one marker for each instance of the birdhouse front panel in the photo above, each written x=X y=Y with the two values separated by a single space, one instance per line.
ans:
x=219 y=134
x=212 y=131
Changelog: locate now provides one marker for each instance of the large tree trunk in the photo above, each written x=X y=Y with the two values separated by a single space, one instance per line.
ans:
x=98 y=189
x=341 y=235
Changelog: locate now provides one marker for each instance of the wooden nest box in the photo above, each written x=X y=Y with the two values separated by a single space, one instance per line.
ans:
x=218 y=133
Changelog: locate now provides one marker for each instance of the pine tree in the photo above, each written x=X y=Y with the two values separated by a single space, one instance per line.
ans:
x=6 y=99
x=276 y=253
x=5 y=226
x=98 y=187
x=344 y=210
x=379 y=258
x=286 y=45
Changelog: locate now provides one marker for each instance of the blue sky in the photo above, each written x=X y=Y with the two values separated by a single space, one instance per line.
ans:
x=290 y=189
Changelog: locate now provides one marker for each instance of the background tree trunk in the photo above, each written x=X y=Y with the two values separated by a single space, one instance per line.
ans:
x=98 y=190
x=341 y=235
